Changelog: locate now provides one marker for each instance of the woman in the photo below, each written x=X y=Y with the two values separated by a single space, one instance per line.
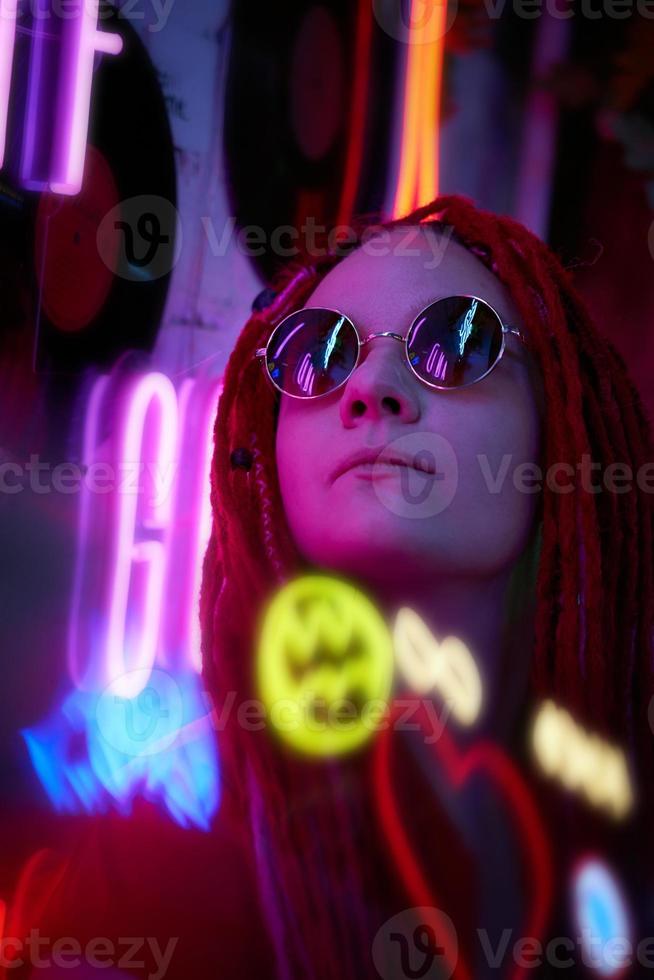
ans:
x=550 y=589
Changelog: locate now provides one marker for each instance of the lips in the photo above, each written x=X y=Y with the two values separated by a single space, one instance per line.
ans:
x=380 y=459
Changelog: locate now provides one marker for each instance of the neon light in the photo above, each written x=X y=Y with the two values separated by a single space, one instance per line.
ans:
x=133 y=748
x=8 y=16
x=441 y=364
x=143 y=561
x=358 y=99
x=418 y=177
x=324 y=664
x=288 y=339
x=602 y=918
x=489 y=760
x=466 y=327
x=583 y=763
x=203 y=528
x=134 y=610
x=180 y=646
x=75 y=103
x=447 y=667
x=53 y=147
x=331 y=343
x=306 y=374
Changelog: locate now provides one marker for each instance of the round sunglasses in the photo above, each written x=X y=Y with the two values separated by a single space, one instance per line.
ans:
x=453 y=343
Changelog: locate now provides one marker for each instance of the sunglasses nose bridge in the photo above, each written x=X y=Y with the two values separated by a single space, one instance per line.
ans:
x=383 y=333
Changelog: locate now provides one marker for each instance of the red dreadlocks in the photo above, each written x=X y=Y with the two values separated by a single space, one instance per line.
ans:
x=595 y=600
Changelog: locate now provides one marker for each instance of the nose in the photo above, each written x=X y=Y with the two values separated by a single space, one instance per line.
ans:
x=382 y=386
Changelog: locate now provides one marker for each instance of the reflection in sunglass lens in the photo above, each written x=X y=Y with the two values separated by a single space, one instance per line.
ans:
x=455 y=342
x=312 y=352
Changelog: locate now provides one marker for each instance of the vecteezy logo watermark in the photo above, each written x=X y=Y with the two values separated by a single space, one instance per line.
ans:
x=422 y=943
x=316 y=240
x=141 y=238
x=149 y=722
x=420 y=22
x=417 y=475
x=416 y=944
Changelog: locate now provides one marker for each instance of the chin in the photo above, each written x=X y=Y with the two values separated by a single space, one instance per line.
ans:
x=374 y=553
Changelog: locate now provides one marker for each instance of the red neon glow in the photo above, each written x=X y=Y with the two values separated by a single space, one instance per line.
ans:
x=481 y=758
x=418 y=177
x=359 y=99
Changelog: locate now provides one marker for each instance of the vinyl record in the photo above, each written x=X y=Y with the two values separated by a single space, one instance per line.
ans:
x=295 y=128
x=99 y=262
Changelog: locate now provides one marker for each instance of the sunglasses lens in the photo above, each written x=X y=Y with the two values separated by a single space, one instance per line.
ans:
x=455 y=342
x=312 y=352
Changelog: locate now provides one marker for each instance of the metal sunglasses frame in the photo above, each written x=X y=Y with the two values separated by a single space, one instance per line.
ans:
x=507 y=331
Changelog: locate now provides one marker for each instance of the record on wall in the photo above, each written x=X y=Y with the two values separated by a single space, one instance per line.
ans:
x=96 y=266
x=299 y=120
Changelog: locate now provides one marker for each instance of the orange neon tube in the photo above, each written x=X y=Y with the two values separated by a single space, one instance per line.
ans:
x=419 y=163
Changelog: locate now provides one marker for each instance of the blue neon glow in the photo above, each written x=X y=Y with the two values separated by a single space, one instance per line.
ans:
x=99 y=752
x=602 y=918
x=331 y=343
x=466 y=327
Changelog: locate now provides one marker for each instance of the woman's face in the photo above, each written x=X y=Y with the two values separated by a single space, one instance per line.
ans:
x=453 y=509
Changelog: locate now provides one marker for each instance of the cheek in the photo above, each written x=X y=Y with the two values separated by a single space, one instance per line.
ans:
x=299 y=458
x=492 y=514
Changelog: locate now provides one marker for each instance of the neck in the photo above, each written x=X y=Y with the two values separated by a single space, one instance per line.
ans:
x=475 y=611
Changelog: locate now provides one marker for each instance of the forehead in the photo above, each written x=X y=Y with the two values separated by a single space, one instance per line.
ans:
x=394 y=277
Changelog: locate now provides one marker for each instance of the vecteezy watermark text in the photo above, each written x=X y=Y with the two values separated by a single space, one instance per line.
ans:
x=100 y=953
x=593 y=477
x=43 y=478
x=157 y=12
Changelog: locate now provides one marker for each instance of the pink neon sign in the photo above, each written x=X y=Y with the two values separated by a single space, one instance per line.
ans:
x=142 y=538
x=149 y=432
x=60 y=77
x=7 y=44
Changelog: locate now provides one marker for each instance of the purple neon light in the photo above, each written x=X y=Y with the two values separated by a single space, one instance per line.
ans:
x=61 y=69
x=191 y=526
x=129 y=730
x=306 y=374
x=8 y=14
x=287 y=340
x=441 y=364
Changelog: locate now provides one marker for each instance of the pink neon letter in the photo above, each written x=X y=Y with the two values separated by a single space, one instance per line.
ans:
x=7 y=42
x=147 y=452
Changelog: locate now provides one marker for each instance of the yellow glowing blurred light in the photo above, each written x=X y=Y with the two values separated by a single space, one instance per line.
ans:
x=443 y=666
x=582 y=762
x=324 y=665
x=418 y=176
